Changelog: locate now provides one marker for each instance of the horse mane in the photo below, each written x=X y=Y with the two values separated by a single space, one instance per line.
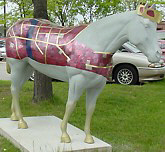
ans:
x=124 y=17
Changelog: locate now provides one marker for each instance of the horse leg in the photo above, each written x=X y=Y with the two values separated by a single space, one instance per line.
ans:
x=20 y=73
x=76 y=88
x=91 y=97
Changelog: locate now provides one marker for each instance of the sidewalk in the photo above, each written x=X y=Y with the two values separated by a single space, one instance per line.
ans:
x=3 y=74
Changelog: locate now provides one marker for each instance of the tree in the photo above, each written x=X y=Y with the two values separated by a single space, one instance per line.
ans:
x=62 y=11
x=3 y=17
x=131 y=5
x=21 y=9
x=94 y=9
x=24 y=8
x=42 y=83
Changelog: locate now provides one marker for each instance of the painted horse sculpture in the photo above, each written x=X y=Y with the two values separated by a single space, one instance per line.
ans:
x=79 y=55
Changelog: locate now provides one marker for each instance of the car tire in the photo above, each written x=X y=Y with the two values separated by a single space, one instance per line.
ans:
x=1 y=59
x=32 y=77
x=126 y=74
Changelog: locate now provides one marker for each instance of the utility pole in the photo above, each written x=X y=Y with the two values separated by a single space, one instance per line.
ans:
x=4 y=18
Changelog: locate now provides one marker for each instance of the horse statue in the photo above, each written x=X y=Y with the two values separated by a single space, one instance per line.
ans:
x=80 y=55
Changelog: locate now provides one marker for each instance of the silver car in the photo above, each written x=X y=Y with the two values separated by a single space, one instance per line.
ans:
x=2 y=50
x=130 y=66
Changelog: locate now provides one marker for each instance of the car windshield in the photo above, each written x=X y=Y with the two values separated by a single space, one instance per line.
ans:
x=129 y=47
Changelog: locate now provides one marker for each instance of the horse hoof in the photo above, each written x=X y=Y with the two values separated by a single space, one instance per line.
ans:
x=22 y=125
x=14 y=117
x=65 y=138
x=89 y=139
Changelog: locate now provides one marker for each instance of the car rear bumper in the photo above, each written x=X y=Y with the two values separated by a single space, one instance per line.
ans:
x=149 y=74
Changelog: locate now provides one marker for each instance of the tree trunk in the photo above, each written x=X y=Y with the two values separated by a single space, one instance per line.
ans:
x=42 y=83
x=40 y=9
x=42 y=87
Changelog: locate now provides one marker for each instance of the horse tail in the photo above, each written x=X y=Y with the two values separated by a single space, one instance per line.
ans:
x=8 y=69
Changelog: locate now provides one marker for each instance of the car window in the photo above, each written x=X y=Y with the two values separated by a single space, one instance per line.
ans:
x=2 y=44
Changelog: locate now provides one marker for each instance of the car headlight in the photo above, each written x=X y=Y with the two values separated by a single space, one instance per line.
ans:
x=156 y=65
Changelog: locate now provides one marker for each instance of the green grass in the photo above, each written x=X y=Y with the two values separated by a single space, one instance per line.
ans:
x=130 y=118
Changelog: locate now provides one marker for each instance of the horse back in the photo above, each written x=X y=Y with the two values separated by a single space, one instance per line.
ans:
x=46 y=43
x=40 y=40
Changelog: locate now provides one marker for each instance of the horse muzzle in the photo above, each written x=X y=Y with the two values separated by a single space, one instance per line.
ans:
x=155 y=58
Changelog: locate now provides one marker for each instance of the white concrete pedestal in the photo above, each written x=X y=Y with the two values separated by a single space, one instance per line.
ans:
x=43 y=135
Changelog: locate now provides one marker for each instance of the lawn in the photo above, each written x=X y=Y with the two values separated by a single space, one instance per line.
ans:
x=130 y=118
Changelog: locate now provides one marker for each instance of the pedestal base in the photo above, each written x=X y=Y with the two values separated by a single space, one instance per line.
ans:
x=44 y=134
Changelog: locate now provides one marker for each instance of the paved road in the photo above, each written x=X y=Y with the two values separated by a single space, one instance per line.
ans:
x=3 y=74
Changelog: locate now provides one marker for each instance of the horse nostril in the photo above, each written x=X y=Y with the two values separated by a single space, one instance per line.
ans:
x=158 y=54
x=159 y=51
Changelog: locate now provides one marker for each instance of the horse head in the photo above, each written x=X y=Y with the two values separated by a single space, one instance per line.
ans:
x=144 y=27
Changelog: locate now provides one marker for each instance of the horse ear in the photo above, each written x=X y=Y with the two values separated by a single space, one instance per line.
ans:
x=146 y=6
x=153 y=6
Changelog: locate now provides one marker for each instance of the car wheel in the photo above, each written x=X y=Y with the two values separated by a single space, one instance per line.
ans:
x=32 y=77
x=126 y=74
x=1 y=59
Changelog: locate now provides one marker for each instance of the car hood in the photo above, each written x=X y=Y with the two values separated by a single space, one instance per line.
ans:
x=137 y=59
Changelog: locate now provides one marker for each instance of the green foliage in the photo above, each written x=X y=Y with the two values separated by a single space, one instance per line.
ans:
x=95 y=9
x=62 y=11
x=22 y=9
x=132 y=4
x=157 y=1
x=2 y=3
x=131 y=118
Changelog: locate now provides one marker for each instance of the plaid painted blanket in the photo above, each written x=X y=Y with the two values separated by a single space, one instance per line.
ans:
x=46 y=43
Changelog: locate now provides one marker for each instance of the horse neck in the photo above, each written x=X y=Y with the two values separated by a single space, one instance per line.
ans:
x=107 y=34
